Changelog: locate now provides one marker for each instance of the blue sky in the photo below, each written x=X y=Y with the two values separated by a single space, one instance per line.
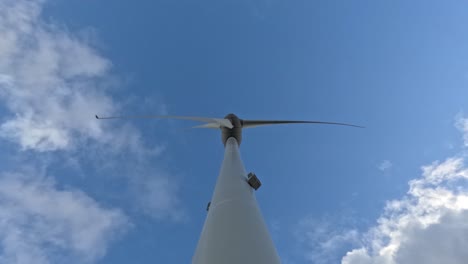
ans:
x=134 y=191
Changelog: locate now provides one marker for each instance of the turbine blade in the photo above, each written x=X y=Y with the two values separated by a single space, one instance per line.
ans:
x=254 y=123
x=220 y=121
x=208 y=125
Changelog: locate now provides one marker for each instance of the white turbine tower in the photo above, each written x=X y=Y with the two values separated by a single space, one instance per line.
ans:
x=234 y=231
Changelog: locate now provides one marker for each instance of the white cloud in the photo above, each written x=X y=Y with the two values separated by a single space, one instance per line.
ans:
x=48 y=80
x=41 y=224
x=428 y=225
x=51 y=83
x=385 y=165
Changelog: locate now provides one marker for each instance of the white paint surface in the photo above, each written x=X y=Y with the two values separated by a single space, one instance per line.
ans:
x=234 y=230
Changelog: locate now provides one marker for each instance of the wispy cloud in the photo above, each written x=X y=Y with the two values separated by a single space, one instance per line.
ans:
x=462 y=125
x=323 y=240
x=154 y=193
x=385 y=165
x=40 y=223
x=428 y=225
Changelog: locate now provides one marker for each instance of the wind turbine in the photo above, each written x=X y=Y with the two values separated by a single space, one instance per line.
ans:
x=234 y=231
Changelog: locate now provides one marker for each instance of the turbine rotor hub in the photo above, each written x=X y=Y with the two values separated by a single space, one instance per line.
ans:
x=235 y=131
